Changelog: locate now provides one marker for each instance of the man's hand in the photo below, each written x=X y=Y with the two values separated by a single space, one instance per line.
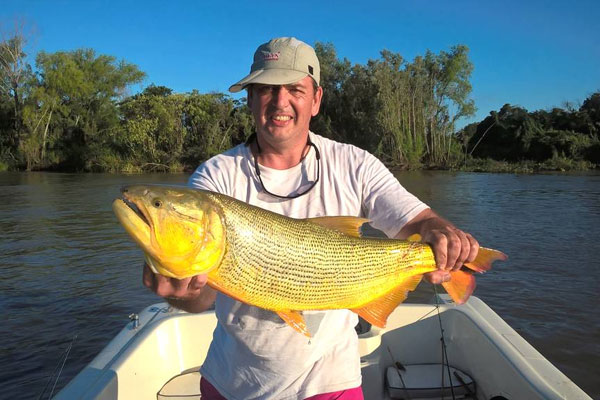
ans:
x=451 y=246
x=189 y=294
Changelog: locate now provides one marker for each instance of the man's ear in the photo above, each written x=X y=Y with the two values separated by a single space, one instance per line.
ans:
x=249 y=96
x=317 y=101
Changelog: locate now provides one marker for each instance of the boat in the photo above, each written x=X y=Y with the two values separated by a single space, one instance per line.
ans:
x=433 y=351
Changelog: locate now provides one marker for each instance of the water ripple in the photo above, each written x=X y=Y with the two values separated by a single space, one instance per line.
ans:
x=67 y=267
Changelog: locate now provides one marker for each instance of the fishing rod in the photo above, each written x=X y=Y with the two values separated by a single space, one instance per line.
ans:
x=444 y=348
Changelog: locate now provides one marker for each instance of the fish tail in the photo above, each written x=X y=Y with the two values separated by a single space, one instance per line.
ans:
x=485 y=258
x=460 y=286
x=462 y=282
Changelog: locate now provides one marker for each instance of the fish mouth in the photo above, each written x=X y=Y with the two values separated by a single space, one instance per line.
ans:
x=134 y=207
x=131 y=215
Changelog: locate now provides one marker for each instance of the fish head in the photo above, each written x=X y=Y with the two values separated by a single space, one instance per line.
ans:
x=179 y=229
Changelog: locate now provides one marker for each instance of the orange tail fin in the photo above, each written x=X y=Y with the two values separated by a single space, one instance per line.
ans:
x=460 y=286
x=462 y=283
x=485 y=258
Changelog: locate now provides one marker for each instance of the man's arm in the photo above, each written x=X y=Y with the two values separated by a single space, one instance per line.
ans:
x=451 y=246
x=190 y=294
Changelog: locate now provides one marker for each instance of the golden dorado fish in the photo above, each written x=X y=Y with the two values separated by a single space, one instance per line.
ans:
x=279 y=263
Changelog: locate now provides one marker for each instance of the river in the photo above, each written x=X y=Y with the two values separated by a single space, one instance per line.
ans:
x=69 y=275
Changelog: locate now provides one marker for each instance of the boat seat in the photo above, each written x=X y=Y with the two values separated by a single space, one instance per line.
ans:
x=428 y=381
x=183 y=386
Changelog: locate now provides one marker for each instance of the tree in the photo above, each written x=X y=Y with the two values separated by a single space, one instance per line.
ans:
x=591 y=107
x=334 y=74
x=447 y=98
x=15 y=72
x=514 y=134
x=506 y=135
x=403 y=112
x=152 y=131
x=74 y=102
x=349 y=104
x=214 y=123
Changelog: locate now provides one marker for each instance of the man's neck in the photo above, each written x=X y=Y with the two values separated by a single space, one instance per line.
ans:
x=281 y=155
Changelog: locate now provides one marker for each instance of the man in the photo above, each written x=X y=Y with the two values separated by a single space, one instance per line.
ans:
x=289 y=170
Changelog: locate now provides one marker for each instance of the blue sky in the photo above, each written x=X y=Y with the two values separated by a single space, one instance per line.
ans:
x=536 y=54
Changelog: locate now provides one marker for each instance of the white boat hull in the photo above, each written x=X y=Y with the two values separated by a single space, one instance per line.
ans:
x=160 y=358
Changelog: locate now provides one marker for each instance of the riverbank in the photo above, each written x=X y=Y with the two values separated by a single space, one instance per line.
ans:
x=557 y=164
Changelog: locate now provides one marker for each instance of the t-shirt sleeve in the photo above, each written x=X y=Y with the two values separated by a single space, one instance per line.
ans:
x=386 y=202
x=202 y=178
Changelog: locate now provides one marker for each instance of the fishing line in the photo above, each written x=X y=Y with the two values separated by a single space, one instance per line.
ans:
x=444 y=349
x=399 y=367
x=61 y=365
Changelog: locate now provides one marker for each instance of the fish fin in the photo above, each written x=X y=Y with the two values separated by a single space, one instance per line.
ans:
x=485 y=258
x=414 y=238
x=462 y=283
x=460 y=286
x=377 y=311
x=214 y=283
x=345 y=224
x=295 y=320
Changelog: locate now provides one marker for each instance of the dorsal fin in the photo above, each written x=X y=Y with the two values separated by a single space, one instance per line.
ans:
x=378 y=311
x=345 y=224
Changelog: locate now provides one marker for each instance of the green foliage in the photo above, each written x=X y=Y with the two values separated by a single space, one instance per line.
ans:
x=152 y=130
x=215 y=123
x=403 y=112
x=557 y=139
x=73 y=114
x=591 y=109
x=14 y=74
x=71 y=111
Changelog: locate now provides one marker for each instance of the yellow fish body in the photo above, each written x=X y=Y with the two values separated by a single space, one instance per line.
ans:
x=279 y=263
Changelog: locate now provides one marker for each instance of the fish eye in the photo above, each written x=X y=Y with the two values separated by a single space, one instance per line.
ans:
x=157 y=203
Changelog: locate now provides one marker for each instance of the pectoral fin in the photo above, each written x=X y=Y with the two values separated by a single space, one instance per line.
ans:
x=295 y=320
x=378 y=311
x=347 y=225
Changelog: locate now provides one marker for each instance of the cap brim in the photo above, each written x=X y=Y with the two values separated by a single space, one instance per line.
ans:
x=270 y=76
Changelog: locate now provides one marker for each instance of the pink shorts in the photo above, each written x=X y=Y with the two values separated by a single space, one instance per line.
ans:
x=208 y=392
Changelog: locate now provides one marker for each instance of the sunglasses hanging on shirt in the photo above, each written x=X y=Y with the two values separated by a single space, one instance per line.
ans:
x=257 y=169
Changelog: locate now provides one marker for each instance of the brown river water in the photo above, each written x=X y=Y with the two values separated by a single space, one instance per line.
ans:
x=69 y=275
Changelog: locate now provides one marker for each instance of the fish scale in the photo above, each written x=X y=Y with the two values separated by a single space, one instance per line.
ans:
x=319 y=269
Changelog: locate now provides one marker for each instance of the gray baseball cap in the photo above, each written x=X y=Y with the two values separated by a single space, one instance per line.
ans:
x=281 y=61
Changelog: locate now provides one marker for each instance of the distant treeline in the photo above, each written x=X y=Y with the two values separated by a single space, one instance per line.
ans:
x=71 y=113
x=561 y=138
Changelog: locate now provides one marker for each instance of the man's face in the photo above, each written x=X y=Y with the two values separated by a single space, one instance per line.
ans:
x=283 y=112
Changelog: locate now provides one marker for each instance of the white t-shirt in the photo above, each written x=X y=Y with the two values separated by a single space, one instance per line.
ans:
x=254 y=354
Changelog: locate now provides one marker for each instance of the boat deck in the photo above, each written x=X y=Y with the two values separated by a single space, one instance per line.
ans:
x=160 y=357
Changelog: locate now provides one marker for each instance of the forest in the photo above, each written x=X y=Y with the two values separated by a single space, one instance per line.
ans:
x=73 y=111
